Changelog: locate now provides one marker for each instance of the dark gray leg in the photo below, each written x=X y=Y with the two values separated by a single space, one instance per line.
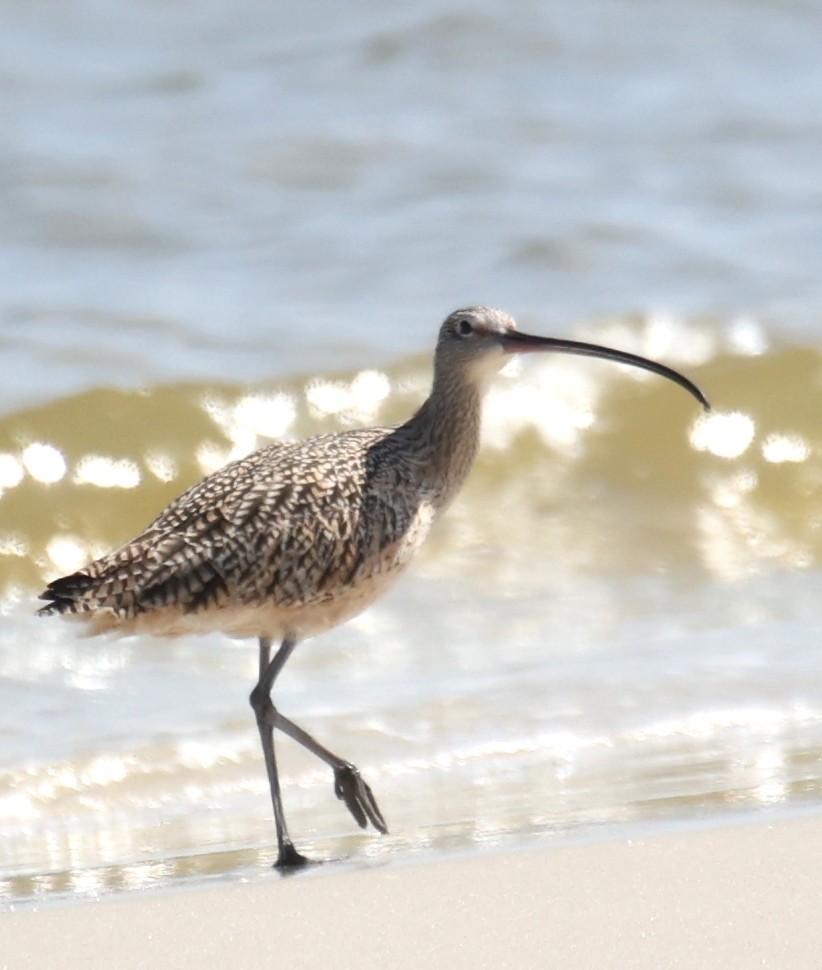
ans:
x=349 y=786
x=287 y=855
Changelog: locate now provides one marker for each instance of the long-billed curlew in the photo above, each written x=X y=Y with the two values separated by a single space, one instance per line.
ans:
x=299 y=537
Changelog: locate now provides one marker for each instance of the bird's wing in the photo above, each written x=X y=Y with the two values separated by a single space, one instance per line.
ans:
x=274 y=526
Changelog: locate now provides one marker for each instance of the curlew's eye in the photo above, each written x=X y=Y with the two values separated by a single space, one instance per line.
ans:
x=464 y=328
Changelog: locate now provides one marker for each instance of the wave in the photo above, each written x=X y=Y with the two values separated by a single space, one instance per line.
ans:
x=608 y=468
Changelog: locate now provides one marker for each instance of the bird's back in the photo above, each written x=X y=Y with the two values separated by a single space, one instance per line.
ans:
x=293 y=538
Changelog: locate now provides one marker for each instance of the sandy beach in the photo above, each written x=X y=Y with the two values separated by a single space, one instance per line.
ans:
x=747 y=895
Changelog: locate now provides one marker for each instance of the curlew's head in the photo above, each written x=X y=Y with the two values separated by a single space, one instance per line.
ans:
x=475 y=342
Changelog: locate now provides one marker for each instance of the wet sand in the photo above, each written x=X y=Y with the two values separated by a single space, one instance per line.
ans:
x=734 y=896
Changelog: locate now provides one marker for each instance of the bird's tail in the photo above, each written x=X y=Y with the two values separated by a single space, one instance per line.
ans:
x=67 y=595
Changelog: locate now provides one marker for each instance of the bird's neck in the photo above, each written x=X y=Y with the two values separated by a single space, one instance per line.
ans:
x=442 y=438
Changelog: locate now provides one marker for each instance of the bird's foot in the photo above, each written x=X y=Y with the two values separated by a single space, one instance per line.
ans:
x=289 y=860
x=350 y=788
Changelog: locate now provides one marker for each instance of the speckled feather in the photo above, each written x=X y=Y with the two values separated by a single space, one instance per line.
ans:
x=295 y=537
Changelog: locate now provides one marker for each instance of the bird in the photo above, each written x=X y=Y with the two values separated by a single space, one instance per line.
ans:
x=301 y=536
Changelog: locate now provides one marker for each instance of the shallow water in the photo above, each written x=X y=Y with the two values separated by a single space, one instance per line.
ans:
x=230 y=231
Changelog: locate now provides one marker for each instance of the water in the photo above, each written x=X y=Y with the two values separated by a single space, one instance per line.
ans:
x=224 y=226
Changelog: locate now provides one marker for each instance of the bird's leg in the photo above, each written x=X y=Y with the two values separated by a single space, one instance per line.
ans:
x=349 y=785
x=287 y=856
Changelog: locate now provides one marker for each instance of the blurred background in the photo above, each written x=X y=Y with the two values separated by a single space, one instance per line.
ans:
x=224 y=224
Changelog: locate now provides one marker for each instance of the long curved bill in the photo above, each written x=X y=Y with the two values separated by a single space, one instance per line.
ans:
x=515 y=342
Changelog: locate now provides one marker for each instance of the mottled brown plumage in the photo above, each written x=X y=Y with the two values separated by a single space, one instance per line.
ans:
x=299 y=537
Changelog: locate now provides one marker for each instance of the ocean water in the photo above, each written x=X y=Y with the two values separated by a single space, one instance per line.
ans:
x=229 y=225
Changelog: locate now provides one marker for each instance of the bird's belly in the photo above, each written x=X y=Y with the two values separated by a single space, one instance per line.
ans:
x=313 y=618
x=265 y=618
